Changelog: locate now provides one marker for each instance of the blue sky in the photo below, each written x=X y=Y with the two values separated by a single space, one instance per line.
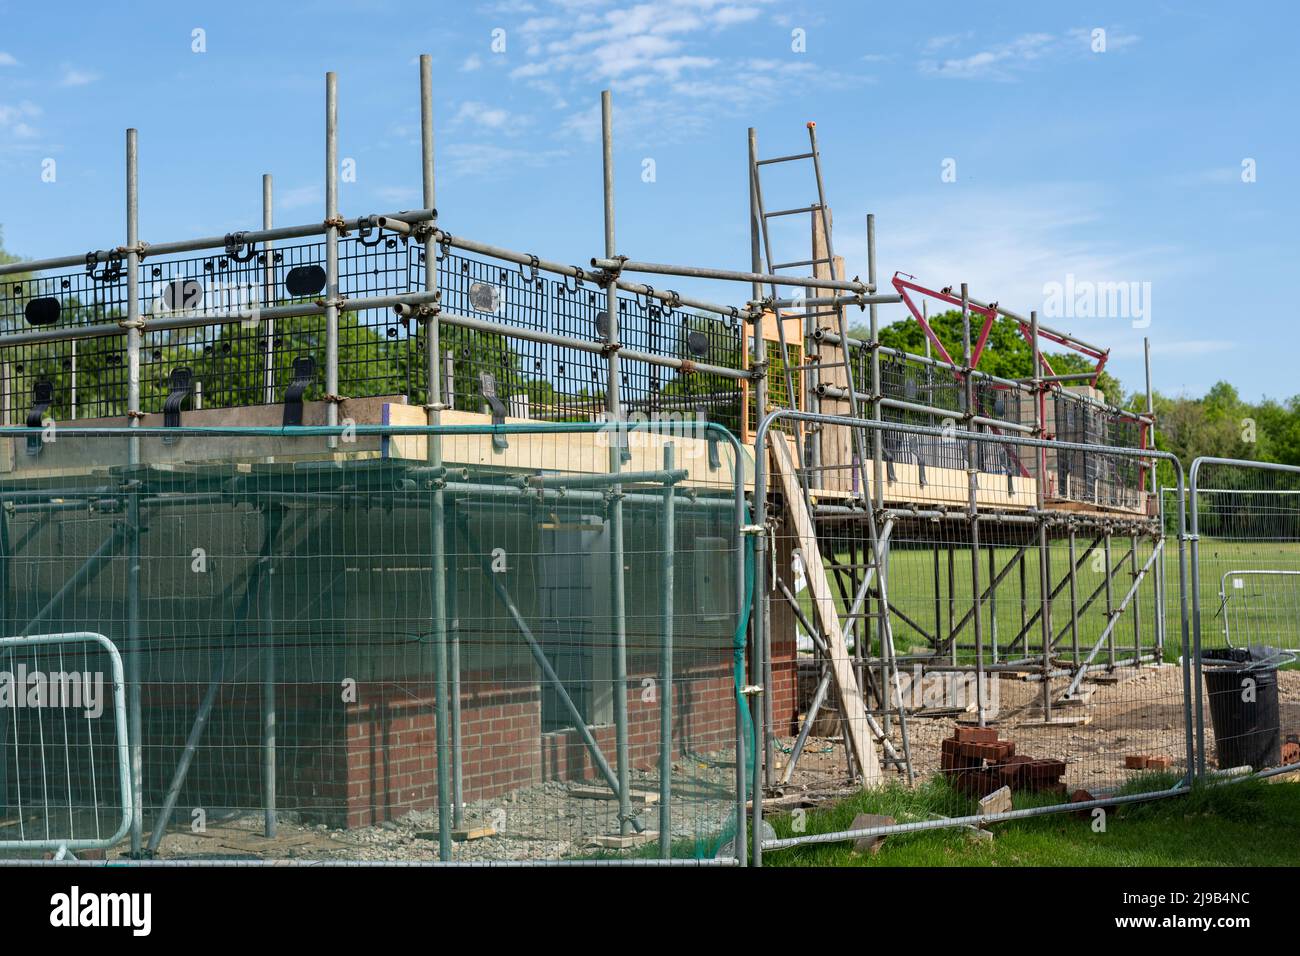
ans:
x=1115 y=165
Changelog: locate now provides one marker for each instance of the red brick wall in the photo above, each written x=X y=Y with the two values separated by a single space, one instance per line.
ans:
x=785 y=671
x=360 y=763
x=391 y=735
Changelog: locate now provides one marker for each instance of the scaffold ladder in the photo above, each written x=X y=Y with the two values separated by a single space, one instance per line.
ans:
x=820 y=220
x=797 y=487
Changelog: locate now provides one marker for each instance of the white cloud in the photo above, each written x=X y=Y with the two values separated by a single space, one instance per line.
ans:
x=1215 y=176
x=403 y=197
x=1044 y=233
x=14 y=119
x=472 y=62
x=997 y=62
x=584 y=124
x=1004 y=61
x=489 y=118
x=7 y=59
x=1116 y=39
x=489 y=160
x=638 y=46
x=935 y=44
x=300 y=196
x=670 y=72
x=73 y=76
x=727 y=16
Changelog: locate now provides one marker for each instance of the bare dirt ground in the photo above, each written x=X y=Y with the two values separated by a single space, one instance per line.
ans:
x=547 y=821
x=1139 y=714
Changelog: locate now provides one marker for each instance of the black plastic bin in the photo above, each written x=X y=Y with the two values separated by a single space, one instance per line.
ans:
x=1246 y=732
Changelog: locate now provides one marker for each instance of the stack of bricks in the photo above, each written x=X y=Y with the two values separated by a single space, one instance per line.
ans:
x=979 y=763
x=1147 y=762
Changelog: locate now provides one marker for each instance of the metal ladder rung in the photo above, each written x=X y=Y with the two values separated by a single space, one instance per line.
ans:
x=784 y=159
x=805 y=262
x=792 y=212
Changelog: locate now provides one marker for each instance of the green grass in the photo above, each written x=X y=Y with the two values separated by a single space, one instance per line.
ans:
x=1265 y=611
x=1243 y=824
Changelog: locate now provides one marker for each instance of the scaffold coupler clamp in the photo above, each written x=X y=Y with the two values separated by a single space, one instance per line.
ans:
x=487 y=384
x=235 y=241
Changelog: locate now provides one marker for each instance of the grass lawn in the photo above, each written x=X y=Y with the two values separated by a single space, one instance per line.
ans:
x=1244 y=824
x=1264 y=610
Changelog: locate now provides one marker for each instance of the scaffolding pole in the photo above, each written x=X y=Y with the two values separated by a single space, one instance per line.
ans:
x=667 y=544
x=135 y=648
x=268 y=290
x=613 y=408
x=437 y=523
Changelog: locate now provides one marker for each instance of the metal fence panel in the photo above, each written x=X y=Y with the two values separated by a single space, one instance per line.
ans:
x=996 y=635
x=64 y=767
x=295 y=693
x=1245 y=521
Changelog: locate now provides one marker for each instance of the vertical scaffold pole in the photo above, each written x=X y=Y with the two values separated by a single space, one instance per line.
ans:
x=952 y=599
x=268 y=293
x=1154 y=489
x=876 y=498
x=972 y=499
x=759 y=347
x=1074 y=603
x=135 y=726
x=1040 y=495
x=1110 y=606
x=667 y=545
x=614 y=409
x=273 y=516
x=993 y=604
x=1137 y=605
x=877 y=436
x=756 y=290
x=938 y=600
x=437 y=524
x=332 y=252
x=764 y=677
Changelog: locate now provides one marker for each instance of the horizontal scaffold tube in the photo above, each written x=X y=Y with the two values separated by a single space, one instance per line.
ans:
x=577 y=272
x=729 y=275
x=585 y=345
x=862 y=301
x=836 y=391
x=602 y=480
x=190 y=320
x=250 y=237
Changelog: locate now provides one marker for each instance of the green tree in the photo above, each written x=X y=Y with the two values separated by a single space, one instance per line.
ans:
x=1006 y=354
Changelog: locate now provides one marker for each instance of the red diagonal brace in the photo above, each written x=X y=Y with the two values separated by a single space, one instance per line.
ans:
x=990 y=314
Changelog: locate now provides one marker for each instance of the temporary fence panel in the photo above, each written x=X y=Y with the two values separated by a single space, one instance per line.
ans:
x=1245 y=518
x=996 y=642
x=337 y=651
x=64 y=767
